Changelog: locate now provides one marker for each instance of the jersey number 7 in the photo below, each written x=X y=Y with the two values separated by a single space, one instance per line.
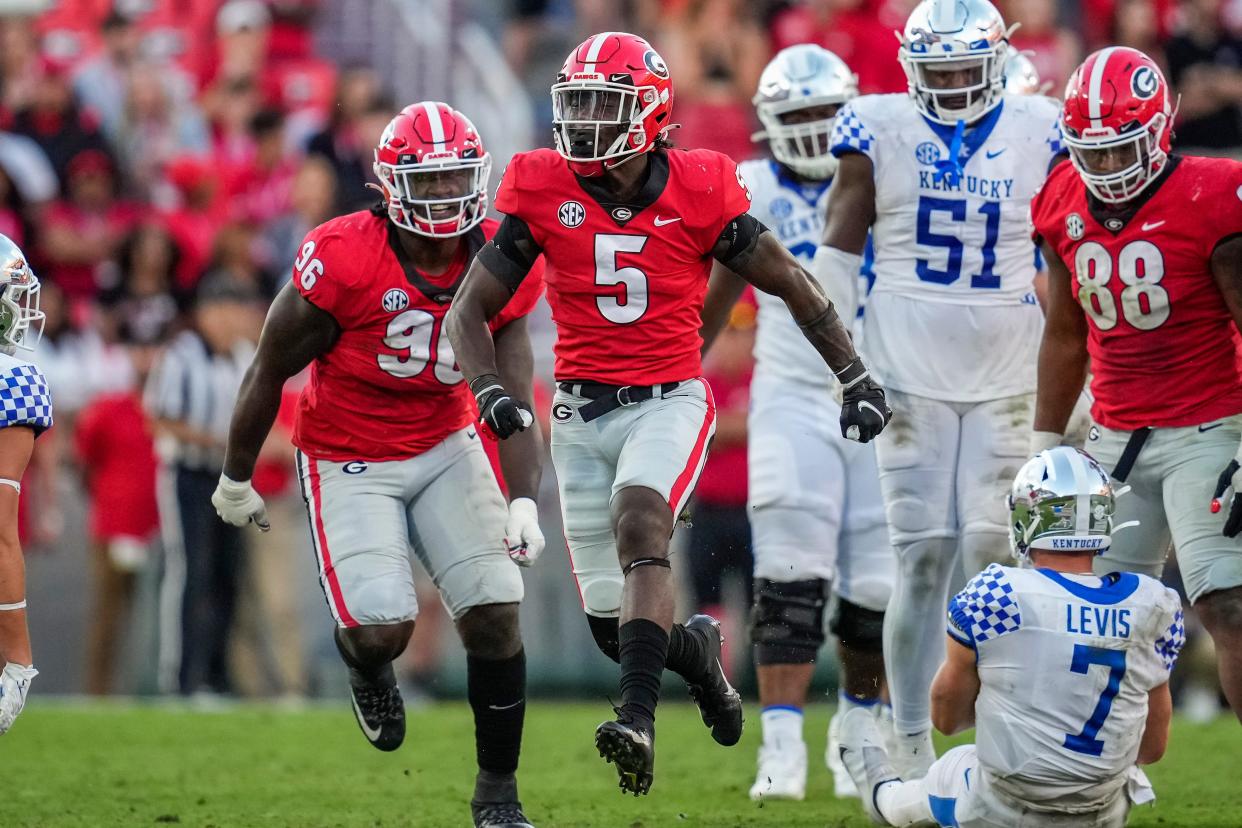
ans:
x=1115 y=661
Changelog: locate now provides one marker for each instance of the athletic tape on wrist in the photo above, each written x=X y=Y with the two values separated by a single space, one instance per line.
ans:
x=15 y=484
x=13 y=607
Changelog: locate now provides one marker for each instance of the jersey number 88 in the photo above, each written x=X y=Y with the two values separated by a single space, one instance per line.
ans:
x=1140 y=266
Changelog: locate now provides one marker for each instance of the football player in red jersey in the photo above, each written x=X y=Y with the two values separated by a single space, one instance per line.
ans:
x=629 y=230
x=388 y=457
x=1145 y=250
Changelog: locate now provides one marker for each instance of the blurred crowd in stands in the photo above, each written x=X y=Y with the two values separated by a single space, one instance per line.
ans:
x=161 y=161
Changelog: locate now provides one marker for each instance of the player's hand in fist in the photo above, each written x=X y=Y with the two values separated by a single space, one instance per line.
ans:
x=237 y=503
x=523 y=536
x=500 y=413
x=1230 y=479
x=864 y=411
x=14 y=685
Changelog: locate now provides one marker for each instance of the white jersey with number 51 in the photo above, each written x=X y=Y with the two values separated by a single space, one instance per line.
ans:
x=952 y=315
x=1066 y=663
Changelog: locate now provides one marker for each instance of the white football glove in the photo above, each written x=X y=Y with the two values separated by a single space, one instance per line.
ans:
x=1043 y=441
x=523 y=536
x=14 y=685
x=238 y=504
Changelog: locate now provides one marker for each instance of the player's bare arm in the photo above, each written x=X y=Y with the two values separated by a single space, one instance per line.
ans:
x=954 y=690
x=1156 y=731
x=757 y=256
x=493 y=278
x=1062 y=354
x=1226 y=266
x=724 y=288
x=851 y=209
x=294 y=333
x=16 y=446
x=521 y=456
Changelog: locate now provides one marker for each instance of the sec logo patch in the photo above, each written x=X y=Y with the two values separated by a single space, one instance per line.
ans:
x=927 y=153
x=396 y=300
x=571 y=214
x=1075 y=226
x=781 y=207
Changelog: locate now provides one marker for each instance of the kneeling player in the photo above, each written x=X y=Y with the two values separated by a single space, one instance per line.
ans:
x=25 y=413
x=1063 y=673
x=388 y=458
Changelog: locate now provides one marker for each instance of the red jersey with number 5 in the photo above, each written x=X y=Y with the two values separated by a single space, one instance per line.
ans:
x=389 y=388
x=626 y=281
x=1160 y=336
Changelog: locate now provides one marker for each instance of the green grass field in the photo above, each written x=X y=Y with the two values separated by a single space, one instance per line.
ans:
x=100 y=765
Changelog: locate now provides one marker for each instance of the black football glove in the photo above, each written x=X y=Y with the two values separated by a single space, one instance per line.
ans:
x=864 y=411
x=500 y=413
x=1230 y=478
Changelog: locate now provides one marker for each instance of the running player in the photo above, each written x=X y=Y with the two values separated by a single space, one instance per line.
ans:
x=630 y=229
x=388 y=457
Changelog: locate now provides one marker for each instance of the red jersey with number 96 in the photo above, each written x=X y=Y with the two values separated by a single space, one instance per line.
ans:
x=1160 y=336
x=626 y=281
x=389 y=388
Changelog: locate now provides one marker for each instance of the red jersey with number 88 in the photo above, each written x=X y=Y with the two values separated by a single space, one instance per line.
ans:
x=389 y=388
x=626 y=281
x=1160 y=336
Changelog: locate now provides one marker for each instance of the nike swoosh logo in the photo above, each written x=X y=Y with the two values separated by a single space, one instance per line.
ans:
x=968 y=770
x=992 y=155
x=504 y=707
x=371 y=733
x=660 y=222
x=1151 y=225
x=1204 y=428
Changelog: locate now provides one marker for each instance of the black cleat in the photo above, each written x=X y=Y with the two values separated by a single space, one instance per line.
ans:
x=499 y=815
x=631 y=748
x=719 y=704
x=379 y=709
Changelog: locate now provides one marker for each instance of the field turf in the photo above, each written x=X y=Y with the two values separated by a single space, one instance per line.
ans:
x=99 y=765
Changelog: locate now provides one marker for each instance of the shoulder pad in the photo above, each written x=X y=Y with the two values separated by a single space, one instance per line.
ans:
x=987 y=608
x=25 y=399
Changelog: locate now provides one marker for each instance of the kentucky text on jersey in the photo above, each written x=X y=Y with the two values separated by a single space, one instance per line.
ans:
x=1109 y=621
x=995 y=188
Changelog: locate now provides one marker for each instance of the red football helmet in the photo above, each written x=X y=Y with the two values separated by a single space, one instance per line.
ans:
x=1117 y=122
x=433 y=170
x=612 y=99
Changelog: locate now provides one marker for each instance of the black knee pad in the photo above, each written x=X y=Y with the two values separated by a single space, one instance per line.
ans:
x=787 y=621
x=857 y=628
x=607 y=635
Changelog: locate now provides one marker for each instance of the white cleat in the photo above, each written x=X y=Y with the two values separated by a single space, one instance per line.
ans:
x=842 y=785
x=913 y=754
x=862 y=753
x=782 y=772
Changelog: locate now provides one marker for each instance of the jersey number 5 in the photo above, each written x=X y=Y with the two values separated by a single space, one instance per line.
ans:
x=1140 y=266
x=1115 y=661
x=632 y=303
x=414 y=332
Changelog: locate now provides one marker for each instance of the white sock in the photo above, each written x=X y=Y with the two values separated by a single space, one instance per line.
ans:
x=903 y=803
x=914 y=628
x=782 y=726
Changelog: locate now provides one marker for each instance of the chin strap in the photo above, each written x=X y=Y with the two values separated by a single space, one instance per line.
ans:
x=15 y=484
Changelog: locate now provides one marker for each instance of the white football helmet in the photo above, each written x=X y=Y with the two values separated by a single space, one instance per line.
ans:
x=1021 y=76
x=19 y=299
x=1062 y=501
x=799 y=78
x=964 y=37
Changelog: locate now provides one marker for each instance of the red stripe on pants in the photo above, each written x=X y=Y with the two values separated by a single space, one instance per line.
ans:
x=325 y=557
x=686 y=479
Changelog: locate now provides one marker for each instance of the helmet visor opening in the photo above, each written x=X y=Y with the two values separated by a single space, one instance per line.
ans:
x=1107 y=160
x=592 y=122
x=444 y=200
x=954 y=84
x=1119 y=169
x=19 y=312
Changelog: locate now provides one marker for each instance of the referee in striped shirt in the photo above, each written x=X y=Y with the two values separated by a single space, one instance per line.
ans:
x=190 y=397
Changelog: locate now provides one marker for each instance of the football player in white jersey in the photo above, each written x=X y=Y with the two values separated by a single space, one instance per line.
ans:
x=25 y=413
x=943 y=177
x=816 y=514
x=1064 y=675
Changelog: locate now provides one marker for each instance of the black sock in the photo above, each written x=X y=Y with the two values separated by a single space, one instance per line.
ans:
x=644 y=648
x=497 y=694
x=687 y=653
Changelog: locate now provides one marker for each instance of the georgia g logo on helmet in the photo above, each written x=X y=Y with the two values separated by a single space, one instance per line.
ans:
x=1144 y=83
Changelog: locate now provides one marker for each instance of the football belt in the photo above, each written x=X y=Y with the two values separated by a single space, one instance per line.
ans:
x=605 y=398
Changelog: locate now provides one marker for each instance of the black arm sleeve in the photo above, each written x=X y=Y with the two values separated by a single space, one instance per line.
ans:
x=511 y=253
x=739 y=236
